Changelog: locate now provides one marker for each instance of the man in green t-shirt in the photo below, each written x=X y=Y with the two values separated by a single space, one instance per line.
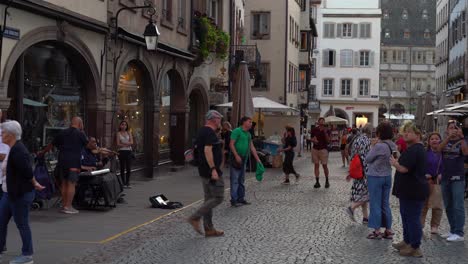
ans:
x=241 y=145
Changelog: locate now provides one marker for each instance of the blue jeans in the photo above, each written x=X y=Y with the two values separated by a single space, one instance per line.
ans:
x=453 y=193
x=237 y=177
x=19 y=209
x=379 y=198
x=410 y=211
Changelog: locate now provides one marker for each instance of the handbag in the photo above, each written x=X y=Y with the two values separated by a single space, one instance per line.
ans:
x=435 y=192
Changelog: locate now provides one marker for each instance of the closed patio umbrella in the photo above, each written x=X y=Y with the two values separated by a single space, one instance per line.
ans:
x=419 y=112
x=428 y=119
x=242 y=104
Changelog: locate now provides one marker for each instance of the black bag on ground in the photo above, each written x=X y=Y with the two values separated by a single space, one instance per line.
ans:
x=160 y=201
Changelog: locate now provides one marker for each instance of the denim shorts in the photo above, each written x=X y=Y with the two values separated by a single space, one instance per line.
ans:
x=68 y=175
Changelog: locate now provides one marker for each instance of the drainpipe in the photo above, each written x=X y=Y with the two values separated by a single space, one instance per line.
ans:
x=5 y=13
x=286 y=54
x=231 y=33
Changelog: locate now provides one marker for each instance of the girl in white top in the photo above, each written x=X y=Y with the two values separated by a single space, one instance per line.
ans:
x=124 y=144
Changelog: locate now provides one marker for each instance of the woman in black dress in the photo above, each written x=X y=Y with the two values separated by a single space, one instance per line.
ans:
x=289 y=143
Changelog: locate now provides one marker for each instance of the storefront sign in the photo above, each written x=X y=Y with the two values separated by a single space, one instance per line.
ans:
x=12 y=33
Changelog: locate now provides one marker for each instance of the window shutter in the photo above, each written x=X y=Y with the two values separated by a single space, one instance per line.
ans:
x=325 y=30
x=339 y=30
x=361 y=30
x=332 y=30
x=342 y=57
x=356 y=58
x=371 y=58
x=355 y=31
x=325 y=58
x=368 y=30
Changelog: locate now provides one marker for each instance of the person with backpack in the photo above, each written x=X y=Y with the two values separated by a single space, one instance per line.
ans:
x=209 y=155
x=240 y=145
x=379 y=182
x=289 y=143
x=359 y=192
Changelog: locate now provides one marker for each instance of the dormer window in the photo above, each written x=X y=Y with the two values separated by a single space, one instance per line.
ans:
x=427 y=34
x=406 y=34
x=425 y=15
x=404 y=15
x=387 y=33
x=386 y=14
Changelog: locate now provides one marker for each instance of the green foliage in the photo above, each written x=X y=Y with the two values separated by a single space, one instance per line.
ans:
x=211 y=39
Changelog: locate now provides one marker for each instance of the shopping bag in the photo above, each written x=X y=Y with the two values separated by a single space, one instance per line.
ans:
x=259 y=171
x=435 y=197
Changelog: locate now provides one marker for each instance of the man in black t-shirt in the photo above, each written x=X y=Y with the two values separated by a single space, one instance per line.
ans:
x=70 y=143
x=209 y=159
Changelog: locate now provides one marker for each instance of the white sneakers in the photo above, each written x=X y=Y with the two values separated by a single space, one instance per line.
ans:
x=455 y=238
x=446 y=235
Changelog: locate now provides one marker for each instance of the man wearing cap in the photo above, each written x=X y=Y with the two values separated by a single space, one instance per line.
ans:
x=210 y=149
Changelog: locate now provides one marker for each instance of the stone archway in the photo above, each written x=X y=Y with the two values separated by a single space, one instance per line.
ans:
x=198 y=105
x=49 y=83
x=173 y=117
x=341 y=113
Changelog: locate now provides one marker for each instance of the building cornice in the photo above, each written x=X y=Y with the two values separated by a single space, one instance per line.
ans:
x=52 y=11
x=354 y=15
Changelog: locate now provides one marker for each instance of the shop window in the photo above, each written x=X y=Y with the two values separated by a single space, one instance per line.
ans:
x=52 y=94
x=130 y=107
x=165 y=111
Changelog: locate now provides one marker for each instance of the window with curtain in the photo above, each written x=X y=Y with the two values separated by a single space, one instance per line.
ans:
x=260 y=25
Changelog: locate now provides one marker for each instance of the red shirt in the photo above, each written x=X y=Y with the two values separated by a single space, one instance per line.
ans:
x=321 y=137
x=402 y=143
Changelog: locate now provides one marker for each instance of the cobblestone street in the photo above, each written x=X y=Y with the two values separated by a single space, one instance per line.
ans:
x=284 y=224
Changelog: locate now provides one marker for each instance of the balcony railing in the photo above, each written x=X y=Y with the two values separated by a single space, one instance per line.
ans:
x=249 y=54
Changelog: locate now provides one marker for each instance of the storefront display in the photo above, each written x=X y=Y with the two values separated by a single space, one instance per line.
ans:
x=130 y=104
x=164 y=118
x=52 y=94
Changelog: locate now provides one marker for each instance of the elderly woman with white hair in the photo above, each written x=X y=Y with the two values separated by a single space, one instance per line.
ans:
x=18 y=187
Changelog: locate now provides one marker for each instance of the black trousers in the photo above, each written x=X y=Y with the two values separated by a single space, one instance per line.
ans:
x=125 y=160
x=288 y=167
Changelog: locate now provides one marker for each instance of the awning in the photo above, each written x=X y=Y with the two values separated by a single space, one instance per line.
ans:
x=30 y=102
x=65 y=98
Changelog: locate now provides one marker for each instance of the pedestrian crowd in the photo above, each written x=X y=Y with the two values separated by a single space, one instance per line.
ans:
x=429 y=174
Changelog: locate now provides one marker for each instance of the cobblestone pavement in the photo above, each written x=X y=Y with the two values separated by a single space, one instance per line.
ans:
x=284 y=224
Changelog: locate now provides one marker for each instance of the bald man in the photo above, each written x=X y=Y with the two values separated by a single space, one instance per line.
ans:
x=70 y=143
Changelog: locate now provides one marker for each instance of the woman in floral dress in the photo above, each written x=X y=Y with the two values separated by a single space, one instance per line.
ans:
x=359 y=193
